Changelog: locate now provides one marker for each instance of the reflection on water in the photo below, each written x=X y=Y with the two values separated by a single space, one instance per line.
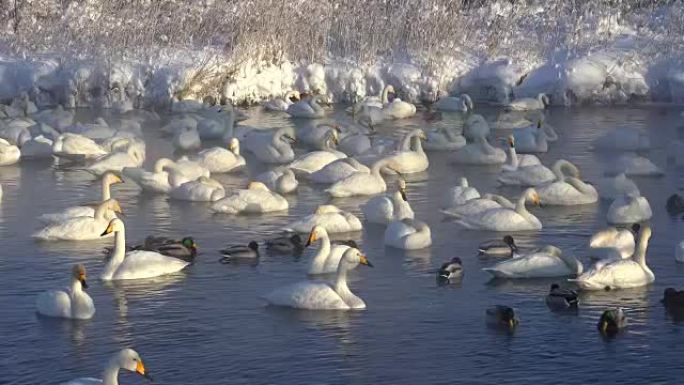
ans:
x=209 y=324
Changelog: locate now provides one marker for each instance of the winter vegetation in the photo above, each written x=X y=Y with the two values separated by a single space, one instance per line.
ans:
x=597 y=51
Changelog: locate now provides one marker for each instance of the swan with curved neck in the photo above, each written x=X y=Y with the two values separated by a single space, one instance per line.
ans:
x=74 y=303
x=384 y=209
x=548 y=261
x=81 y=228
x=323 y=295
x=568 y=189
x=623 y=273
x=127 y=359
x=328 y=256
x=361 y=183
x=411 y=160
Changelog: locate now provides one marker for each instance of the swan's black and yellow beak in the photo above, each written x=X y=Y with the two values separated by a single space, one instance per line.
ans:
x=108 y=230
x=82 y=279
x=140 y=369
x=403 y=194
x=364 y=261
x=312 y=238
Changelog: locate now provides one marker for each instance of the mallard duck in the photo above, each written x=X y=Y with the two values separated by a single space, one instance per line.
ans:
x=185 y=249
x=450 y=270
x=502 y=316
x=675 y=204
x=673 y=299
x=505 y=247
x=612 y=321
x=285 y=244
x=233 y=252
x=560 y=299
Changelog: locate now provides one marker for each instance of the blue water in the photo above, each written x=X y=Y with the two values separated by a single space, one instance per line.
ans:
x=208 y=324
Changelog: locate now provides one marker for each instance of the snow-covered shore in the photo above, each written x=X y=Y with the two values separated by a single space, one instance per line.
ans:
x=615 y=59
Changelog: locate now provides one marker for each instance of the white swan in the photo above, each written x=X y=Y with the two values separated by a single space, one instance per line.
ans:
x=321 y=295
x=308 y=108
x=319 y=136
x=515 y=160
x=327 y=257
x=620 y=274
x=567 y=190
x=506 y=219
x=475 y=128
x=136 y=264
x=397 y=108
x=81 y=228
x=384 y=209
x=276 y=148
x=338 y=170
x=202 y=189
x=133 y=156
x=629 y=208
x=125 y=359
x=635 y=165
x=624 y=139
x=408 y=234
x=190 y=168
x=515 y=175
x=221 y=160
x=617 y=186
x=535 y=138
x=315 y=160
x=281 y=104
x=361 y=183
x=156 y=181
x=281 y=180
x=59 y=118
x=545 y=262
x=411 y=160
x=9 y=153
x=187 y=139
x=478 y=205
x=622 y=241
x=460 y=194
x=257 y=198
x=74 y=303
x=77 y=147
x=331 y=218
x=106 y=181
x=444 y=139
x=480 y=152
x=462 y=103
x=526 y=104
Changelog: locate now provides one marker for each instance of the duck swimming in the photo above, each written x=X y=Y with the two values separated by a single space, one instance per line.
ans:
x=240 y=252
x=502 y=316
x=561 y=299
x=612 y=321
x=505 y=247
x=450 y=270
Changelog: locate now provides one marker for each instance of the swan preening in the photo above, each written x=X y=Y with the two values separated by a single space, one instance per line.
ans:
x=567 y=190
x=548 y=261
x=323 y=295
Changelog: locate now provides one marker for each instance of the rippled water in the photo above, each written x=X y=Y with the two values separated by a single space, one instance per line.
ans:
x=208 y=324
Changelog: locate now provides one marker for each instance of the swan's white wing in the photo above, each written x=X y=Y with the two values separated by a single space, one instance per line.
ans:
x=70 y=212
x=84 y=381
x=536 y=265
x=307 y=295
x=79 y=228
x=378 y=210
x=147 y=264
x=54 y=303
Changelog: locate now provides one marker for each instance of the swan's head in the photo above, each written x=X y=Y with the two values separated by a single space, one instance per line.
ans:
x=463 y=182
x=646 y=232
x=79 y=274
x=316 y=233
x=115 y=225
x=511 y=141
x=234 y=145
x=112 y=204
x=111 y=178
x=545 y=100
x=130 y=360
x=353 y=257
x=401 y=186
x=533 y=197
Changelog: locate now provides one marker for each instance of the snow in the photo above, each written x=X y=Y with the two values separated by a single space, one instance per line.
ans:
x=599 y=54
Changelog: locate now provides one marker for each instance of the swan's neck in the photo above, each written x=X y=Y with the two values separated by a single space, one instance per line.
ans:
x=76 y=287
x=402 y=209
x=385 y=93
x=450 y=134
x=110 y=376
x=520 y=206
x=375 y=170
x=558 y=171
x=106 y=193
x=318 y=261
x=236 y=150
x=342 y=289
x=514 y=157
x=416 y=145
x=640 y=254
x=502 y=201
x=118 y=254
x=100 y=211
x=579 y=185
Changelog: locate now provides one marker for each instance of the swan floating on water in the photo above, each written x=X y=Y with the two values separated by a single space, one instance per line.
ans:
x=629 y=208
x=622 y=241
x=534 y=138
x=271 y=148
x=331 y=218
x=623 y=273
x=282 y=104
x=81 y=228
x=460 y=194
x=125 y=359
x=307 y=108
x=338 y=170
x=567 y=190
x=516 y=175
x=361 y=183
x=9 y=153
x=526 y=104
x=635 y=165
x=220 y=160
x=257 y=198
x=479 y=152
x=617 y=186
x=462 y=103
x=74 y=303
x=383 y=209
x=506 y=219
x=408 y=234
x=548 y=261
x=136 y=264
x=281 y=180
x=411 y=160
x=327 y=258
x=201 y=190
x=322 y=295
x=478 y=205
